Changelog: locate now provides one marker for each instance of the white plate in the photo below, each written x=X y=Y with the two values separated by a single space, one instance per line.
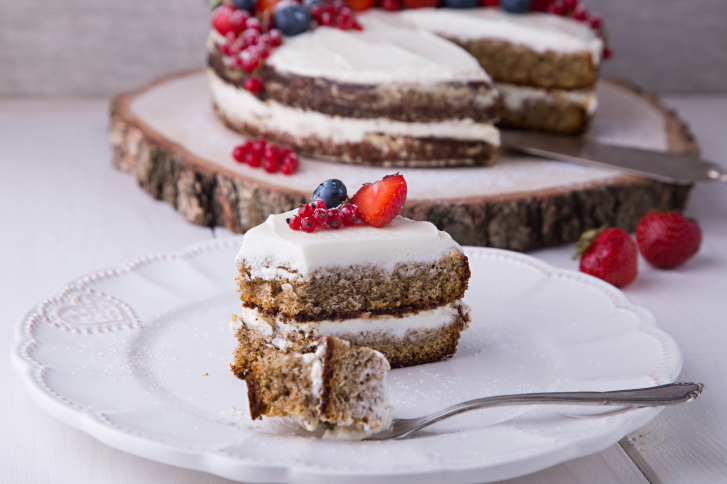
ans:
x=139 y=356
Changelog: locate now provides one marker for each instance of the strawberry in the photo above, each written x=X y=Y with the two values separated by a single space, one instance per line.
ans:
x=381 y=201
x=222 y=18
x=608 y=254
x=360 y=5
x=420 y=3
x=667 y=239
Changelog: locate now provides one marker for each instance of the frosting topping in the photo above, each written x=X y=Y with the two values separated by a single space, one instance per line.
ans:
x=386 y=50
x=538 y=31
x=274 y=249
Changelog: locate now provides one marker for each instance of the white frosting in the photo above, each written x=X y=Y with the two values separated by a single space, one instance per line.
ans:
x=273 y=244
x=316 y=370
x=241 y=106
x=515 y=96
x=385 y=51
x=390 y=326
x=538 y=31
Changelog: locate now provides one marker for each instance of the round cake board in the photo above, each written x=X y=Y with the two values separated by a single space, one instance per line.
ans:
x=168 y=137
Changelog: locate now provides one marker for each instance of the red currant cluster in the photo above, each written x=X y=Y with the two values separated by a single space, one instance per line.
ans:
x=316 y=214
x=573 y=8
x=271 y=156
x=245 y=44
x=335 y=14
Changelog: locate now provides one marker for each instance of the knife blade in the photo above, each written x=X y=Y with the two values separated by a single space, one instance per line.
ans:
x=656 y=165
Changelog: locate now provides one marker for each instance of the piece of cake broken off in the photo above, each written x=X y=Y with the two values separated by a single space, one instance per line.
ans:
x=337 y=384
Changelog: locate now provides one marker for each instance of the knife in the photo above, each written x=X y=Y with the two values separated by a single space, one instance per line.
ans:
x=656 y=165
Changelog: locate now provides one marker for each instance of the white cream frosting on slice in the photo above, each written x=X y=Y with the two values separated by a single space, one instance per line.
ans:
x=239 y=105
x=514 y=97
x=272 y=246
x=385 y=51
x=538 y=31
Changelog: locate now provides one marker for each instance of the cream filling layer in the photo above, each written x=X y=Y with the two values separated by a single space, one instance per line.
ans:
x=390 y=326
x=514 y=96
x=240 y=106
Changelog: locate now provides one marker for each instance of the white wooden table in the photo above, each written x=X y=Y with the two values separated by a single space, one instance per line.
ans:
x=65 y=211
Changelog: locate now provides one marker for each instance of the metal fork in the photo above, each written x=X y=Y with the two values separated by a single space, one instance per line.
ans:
x=671 y=394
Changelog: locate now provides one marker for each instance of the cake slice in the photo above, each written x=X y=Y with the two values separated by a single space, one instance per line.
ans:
x=388 y=95
x=337 y=384
x=396 y=289
x=545 y=66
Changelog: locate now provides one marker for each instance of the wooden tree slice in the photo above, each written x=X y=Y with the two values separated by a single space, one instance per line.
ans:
x=168 y=137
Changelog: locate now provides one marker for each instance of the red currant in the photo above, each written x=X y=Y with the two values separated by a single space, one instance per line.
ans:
x=326 y=19
x=238 y=20
x=489 y=3
x=320 y=204
x=335 y=219
x=252 y=159
x=294 y=222
x=287 y=169
x=254 y=84
x=556 y=8
x=607 y=53
x=390 y=5
x=290 y=159
x=250 y=37
x=570 y=4
x=253 y=23
x=580 y=13
x=275 y=37
x=595 y=21
x=320 y=216
x=250 y=61
x=307 y=224
x=270 y=165
x=305 y=210
x=347 y=213
x=239 y=154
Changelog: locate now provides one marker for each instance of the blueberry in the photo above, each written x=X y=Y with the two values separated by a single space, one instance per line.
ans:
x=248 y=5
x=461 y=3
x=291 y=18
x=515 y=6
x=332 y=192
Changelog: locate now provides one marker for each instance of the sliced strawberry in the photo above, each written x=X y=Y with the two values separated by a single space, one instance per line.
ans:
x=609 y=254
x=381 y=201
x=263 y=5
x=667 y=239
x=360 y=5
x=420 y=3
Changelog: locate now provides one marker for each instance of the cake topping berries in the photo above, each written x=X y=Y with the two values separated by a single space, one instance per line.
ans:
x=272 y=157
x=333 y=192
x=608 y=254
x=317 y=214
x=380 y=202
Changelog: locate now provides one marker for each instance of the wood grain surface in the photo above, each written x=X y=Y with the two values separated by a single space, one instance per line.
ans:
x=77 y=47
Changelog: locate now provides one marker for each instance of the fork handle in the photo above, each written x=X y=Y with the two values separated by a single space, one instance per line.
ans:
x=670 y=394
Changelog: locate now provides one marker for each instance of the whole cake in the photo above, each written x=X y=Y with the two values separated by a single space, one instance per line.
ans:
x=386 y=95
x=395 y=288
x=405 y=88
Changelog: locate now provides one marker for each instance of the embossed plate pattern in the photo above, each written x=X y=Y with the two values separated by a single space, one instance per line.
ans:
x=138 y=357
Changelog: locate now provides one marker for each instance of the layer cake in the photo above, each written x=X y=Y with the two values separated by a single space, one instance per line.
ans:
x=388 y=95
x=395 y=289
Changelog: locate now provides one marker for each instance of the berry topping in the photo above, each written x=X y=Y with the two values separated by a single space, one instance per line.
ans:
x=222 y=18
x=461 y=3
x=305 y=210
x=333 y=192
x=420 y=3
x=239 y=154
x=667 y=239
x=515 y=6
x=247 y=5
x=320 y=215
x=291 y=18
x=335 y=219
x=350 y=214
x=319 y=204
x=254 y=84
x=294 y=222
x=307 y=224
x=580 y=13
x=381 y=201
x=608 y=254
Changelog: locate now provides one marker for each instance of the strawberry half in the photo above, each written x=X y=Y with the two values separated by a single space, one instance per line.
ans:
x=381 y=201
x=609 y=254
x=667 y=239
